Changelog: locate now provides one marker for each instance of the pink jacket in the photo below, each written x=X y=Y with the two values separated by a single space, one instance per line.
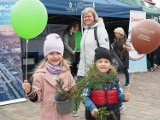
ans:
x=44 y=85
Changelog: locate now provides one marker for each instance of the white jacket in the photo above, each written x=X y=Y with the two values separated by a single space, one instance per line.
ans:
x=89 y=44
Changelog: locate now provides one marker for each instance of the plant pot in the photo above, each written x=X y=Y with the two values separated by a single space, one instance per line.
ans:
x=64 y=107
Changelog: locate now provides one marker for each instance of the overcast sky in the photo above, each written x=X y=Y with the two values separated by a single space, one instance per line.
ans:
x=157 y=3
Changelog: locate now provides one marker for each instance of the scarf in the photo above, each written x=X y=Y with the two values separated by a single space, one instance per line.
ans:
x=54 y=69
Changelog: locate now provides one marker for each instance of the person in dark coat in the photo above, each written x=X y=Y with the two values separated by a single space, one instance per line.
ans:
x=121 y=47
x=70 y=48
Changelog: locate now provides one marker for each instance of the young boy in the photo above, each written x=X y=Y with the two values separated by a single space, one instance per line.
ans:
x=107 y=94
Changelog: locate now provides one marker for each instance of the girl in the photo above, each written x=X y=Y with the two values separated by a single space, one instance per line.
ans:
x=106 y=94
x=44 y=79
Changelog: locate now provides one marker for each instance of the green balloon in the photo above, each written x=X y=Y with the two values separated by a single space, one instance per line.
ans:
x=29 y=18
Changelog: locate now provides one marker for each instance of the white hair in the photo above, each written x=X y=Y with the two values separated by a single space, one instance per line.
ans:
x=89 y=9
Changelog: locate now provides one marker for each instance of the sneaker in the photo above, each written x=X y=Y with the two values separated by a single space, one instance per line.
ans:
x=122 y=108
x=127 y=85
x=155 y=67
x=151 y=69
x=75 y=114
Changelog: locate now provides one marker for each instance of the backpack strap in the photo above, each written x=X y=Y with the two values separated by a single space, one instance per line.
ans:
x=95 y=36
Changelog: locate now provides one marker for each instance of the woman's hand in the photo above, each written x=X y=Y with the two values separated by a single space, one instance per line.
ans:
x=73 y=52
x=128 y=48
x=126 y=96
x=26 y=86
x=94 y=112
x=127 y=45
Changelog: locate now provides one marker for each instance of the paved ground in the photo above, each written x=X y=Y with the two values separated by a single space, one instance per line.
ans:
x=143 y=105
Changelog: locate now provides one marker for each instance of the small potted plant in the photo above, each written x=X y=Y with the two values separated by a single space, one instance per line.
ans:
x=64 y=102
x=64 y=97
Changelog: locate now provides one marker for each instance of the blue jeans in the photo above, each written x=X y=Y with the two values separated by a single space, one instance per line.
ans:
x=125 y=70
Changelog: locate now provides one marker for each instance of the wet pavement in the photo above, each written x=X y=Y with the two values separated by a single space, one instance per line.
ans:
x=143 y=105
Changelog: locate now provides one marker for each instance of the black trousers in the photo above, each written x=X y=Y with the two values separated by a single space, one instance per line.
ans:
x=74 y=66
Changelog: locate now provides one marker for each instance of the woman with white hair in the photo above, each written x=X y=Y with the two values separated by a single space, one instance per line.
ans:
x=90 y=21
x=122 y=47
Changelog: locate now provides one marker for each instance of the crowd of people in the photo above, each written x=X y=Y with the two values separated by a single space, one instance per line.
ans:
x=83 y=51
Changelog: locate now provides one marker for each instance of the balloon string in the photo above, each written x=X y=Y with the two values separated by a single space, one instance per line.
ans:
x=26 y=59
x=132 y=76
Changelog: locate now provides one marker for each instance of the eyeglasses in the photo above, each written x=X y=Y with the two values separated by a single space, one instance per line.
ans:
x=85 y=17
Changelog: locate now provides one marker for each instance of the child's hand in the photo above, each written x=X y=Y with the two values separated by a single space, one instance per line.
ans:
x=94 y=112
x=126 y=96
x=26 y=86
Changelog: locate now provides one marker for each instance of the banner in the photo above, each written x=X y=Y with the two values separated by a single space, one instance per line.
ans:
x=11 y=75
x=39 y=40
x=137 y=62
x=57 y=28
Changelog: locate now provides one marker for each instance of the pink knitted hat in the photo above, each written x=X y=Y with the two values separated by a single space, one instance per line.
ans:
x=53 y=43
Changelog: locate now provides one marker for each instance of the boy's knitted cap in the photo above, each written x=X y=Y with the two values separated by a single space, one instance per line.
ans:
x=53 y=43
x=102 y=53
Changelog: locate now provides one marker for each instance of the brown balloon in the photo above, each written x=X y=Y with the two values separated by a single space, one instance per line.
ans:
x=146 y=36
